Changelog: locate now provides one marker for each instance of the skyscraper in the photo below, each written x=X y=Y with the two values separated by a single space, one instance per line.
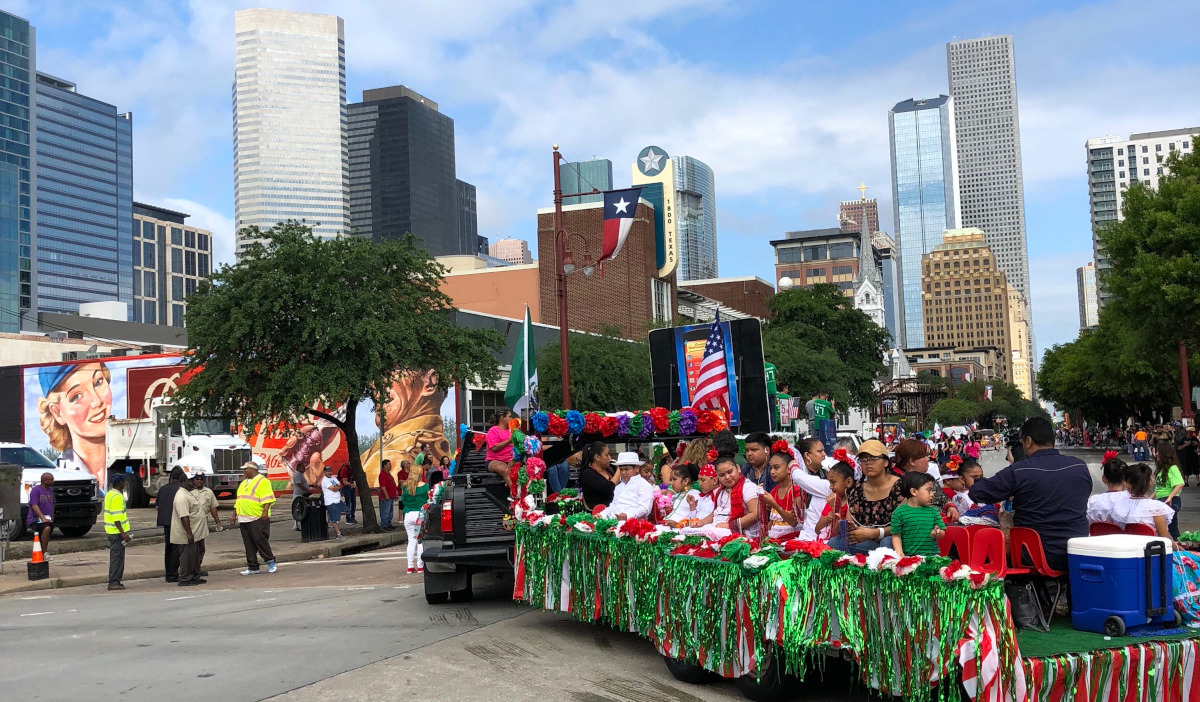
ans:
x=583 y=176
x=84 y=163
x=170 y=259
x=289 y=122
x=1089 y=300
x=983 y=83
x=852 y=213
x=18 y=201
x=1113 y=164
x=515 y=251
x=696 y=215
x=402 y=173
x=468 y=213
x=924 y=196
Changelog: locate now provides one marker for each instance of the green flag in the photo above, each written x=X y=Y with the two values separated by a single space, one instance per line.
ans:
x=522 y=379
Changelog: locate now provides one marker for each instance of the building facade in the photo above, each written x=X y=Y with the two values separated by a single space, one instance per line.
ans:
x=1019 y=334
x=1089 y=295
x=925 y=199
x=852 y=213
x=170 y=258
x=583 y=177
x=289 y=122
x=515 y=251
x=84 y=164
x=959 y=365
x=630 y=297
x=983 y=83
x=402 y=173
x=696 y=217
x=1114 y=164
x=18 y=197
x=965 y=296
x=816 y=256
x=889 y=273
x=748 y=294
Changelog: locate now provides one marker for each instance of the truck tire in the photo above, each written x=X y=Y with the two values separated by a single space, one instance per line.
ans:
x=75 y=531
x=687 y=672
x=768 y=688
x=14 y=528
x=436 y=598
x=464 y=595
x=135 y=492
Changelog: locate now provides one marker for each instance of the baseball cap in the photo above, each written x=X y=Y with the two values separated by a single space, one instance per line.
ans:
x=873 y=447
x=628 y=458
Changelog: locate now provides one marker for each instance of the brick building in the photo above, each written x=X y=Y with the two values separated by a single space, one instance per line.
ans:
x=749 y=294
x=630 y=296
x=852 y=212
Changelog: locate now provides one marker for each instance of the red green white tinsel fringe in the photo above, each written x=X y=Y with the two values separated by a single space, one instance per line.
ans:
x=1155 y=671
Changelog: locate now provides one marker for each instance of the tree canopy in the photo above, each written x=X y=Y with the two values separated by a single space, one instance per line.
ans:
x=608 y=373
x=1129 y=364
x=967 y=403
x=302 y=320
x=820 y=343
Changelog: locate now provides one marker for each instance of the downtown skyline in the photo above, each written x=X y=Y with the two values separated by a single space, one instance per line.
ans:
x=751 y=106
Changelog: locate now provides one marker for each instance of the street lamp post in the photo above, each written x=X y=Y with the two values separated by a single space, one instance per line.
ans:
x=560 y=278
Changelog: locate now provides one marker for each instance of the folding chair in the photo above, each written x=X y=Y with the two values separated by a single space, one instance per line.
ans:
x=987 y=552
x=958 y=539
x=1024 y=541
x=1140 y=530
x=1103 y=528
x=974 y=529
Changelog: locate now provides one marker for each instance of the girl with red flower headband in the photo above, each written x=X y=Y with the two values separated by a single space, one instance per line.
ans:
x=703 y=504
x=684 y=496
x=738 y=501
x=1112 y=474
x=786 y=500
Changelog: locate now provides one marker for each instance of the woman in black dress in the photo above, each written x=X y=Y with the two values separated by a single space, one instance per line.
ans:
x=596 y=479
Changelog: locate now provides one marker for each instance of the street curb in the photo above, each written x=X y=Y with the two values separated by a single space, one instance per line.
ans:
x=311 y=551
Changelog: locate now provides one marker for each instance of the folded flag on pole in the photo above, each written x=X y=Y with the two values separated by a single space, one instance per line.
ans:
x=523 y=379
x=619 y=207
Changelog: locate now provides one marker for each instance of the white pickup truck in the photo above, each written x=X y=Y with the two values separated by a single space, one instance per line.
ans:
x=76 y=493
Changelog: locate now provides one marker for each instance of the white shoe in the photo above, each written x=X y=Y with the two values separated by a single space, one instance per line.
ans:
x=250 y=572
x=271 y=567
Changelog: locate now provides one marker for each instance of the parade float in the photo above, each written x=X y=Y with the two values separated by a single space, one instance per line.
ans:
x=917 y=628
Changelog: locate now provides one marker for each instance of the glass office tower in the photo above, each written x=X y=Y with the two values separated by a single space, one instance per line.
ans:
x=924 y=195
x=84 y=160
x=583 y=176
x=18 y=282
x=696 y=204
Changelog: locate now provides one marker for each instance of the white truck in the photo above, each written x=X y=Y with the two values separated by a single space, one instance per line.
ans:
x=149 y=449
x=76 y=493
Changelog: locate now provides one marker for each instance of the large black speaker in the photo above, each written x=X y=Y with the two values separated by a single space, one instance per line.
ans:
x=746 y=340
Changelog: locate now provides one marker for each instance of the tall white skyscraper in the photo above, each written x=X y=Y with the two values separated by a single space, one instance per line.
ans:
x=696 y=205
x=289 y=122
x=924 y=197
x=983 y=84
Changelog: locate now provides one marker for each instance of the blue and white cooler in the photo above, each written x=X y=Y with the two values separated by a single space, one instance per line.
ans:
x=1120 y=581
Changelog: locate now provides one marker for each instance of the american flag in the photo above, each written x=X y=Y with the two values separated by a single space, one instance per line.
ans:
x=712 y=387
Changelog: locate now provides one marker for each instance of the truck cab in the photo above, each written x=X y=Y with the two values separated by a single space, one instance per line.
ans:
x=76 y=492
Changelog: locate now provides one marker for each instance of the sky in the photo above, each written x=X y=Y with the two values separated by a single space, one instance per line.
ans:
x=786 y=101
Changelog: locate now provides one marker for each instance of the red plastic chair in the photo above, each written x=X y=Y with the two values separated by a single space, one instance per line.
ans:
x=974 y=529
x=1103 y=529
x=987 y=552
x=1024 y=539
x=1140 y=530
x=958 y=539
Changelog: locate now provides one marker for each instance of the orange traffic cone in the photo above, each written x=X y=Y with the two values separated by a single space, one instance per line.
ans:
x=38 y=568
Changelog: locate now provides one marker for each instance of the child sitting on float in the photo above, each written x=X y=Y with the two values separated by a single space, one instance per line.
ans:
x=1138 y=506
x=633 y=497
x=737 y=509
x=704 y=504
x=833 y=518
x=685 y=500
x=1112 y=474
x=786 y=500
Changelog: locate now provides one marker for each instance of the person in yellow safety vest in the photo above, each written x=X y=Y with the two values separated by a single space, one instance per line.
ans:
x=252 y=515
x=116 y=525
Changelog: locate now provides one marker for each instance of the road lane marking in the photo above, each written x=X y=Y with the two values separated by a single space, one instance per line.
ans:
x=268 y=599
x=185 y=597
x=36 y=614
x=39 y=597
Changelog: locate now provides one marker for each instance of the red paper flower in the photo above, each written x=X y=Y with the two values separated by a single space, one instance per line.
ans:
x=712 y=455
x=591 y=423
x=1109 y=455
x=608 y=426
x=662 y=419
x=781 y=446
x=637 y=528
x=558 y=425
x=719 y=420
x=704 y=422
x=977 y=579
x=809 y=548
x=841 y=455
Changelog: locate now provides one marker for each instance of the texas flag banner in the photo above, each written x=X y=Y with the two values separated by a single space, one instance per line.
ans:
x=619 y=206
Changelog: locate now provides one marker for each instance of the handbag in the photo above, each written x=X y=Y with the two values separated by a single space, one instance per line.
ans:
x=1026 y=607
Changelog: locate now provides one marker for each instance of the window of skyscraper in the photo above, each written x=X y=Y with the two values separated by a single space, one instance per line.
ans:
x=148 y=255
x=177 y=236
x=148 y=230
x=176 y=260
x=190 y=262
x=177 y=287
x=203 y=261
x=148 y=285
x=189 y=238
x=149 y=312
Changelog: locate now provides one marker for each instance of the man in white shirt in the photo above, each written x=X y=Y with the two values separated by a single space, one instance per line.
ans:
x=331 y=490
x=633 y=497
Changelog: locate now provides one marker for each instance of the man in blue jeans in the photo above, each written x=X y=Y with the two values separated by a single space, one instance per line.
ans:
x=349 y=492
x=331 y=490
x=387 y=495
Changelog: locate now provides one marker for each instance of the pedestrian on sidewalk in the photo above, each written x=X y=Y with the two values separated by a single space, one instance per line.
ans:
x=116 y=525
x=40 y=519
x=189 y=527
x=349 y=492
x=252 y=515
x=331 y=490
x=208 y=501
x=165 y=502
x=300 y=486
x=387 y=496
x=413 y=496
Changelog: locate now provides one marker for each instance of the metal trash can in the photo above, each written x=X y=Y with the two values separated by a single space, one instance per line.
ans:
x=310 y=512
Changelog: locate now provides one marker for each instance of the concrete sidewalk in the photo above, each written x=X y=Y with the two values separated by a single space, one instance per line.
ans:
x=224 y=550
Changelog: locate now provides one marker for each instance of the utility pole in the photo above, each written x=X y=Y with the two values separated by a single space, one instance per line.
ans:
x=1187 y=415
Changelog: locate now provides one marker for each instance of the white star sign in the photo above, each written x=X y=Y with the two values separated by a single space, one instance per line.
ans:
x=621 y=206
x=651 y=161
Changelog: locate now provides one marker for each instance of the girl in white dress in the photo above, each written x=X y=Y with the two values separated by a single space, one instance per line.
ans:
x=1112 y=474
x=1140 y=507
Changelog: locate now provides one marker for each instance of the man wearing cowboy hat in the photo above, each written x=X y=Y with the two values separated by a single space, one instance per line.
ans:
x=633 y=497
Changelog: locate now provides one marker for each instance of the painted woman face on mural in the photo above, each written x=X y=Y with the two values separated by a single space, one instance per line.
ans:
x=73 y=412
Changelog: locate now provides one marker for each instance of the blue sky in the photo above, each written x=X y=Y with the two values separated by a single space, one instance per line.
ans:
x=787 y=101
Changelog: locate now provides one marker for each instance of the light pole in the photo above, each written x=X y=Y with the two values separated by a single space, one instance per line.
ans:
x=560 y=278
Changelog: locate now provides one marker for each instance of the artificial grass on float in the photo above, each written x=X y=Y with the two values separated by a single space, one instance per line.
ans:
x=1063 y=638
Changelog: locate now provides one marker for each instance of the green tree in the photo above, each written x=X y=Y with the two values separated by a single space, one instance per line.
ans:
x=608 y=373
x=951 y=411
x=302 y=320
x=819 y=342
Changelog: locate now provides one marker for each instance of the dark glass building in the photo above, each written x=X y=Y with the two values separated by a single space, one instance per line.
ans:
x=402 y=176
x=468 y=216
x=18 y=282
x=84 y=161
x=583 y=176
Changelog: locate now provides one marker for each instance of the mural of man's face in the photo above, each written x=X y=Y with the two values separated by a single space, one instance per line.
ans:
x=413 y=395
